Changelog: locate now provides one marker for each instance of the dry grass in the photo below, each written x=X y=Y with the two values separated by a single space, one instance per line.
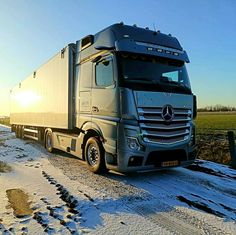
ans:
x=213 y=147
x=5 y=121
x=4 y=167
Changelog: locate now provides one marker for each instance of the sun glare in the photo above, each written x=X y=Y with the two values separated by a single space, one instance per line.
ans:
x=26 y=98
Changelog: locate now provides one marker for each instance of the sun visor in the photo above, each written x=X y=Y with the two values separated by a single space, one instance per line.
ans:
x=130 y=45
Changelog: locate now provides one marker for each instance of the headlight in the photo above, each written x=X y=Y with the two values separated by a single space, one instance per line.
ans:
x=133 y=143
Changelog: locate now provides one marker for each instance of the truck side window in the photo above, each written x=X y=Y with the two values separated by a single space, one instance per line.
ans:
x=85 y=76
x=104 y=73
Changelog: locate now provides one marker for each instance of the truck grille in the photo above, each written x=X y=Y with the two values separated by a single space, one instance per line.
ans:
x=155 y=129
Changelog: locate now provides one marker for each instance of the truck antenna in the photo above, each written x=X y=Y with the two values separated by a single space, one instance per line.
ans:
x=154 y=26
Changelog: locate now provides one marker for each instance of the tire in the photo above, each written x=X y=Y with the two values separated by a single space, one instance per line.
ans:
x=17 y=131
x=94 y=155
x=49 y=142
x=21 y=132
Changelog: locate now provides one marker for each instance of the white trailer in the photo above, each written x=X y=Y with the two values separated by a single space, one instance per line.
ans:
x=44 y=99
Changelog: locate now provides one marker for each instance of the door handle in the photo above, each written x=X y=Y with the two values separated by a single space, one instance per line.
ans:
x=95 y=109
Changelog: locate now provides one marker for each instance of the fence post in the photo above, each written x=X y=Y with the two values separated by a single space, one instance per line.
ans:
x=232 y=148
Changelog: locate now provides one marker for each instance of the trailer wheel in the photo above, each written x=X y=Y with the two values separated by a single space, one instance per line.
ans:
x=48 y=141
x=21 y=132
x=17 y=131
x=94 y=155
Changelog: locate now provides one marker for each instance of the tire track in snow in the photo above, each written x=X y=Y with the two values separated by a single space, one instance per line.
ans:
x=174 y=220
x=166 y=188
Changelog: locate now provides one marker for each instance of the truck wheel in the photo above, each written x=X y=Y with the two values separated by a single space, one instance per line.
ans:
x=21 y=132
x=48 y=141
x=17 y=132
x=94 y=155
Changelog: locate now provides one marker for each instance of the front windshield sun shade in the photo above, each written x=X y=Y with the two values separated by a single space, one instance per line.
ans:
x=169 y=75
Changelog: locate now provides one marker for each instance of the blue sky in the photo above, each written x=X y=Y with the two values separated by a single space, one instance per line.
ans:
x=33 y=31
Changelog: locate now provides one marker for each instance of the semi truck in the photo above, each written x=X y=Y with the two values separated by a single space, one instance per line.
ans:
x=119 y=99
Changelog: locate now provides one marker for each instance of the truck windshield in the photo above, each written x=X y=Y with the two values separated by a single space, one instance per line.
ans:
x=153 y=73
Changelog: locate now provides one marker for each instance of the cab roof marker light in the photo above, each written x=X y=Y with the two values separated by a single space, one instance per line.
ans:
x=126 y=36
x=157 y=47
x=150 y=48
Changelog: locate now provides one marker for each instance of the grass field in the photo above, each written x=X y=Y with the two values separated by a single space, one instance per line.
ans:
x=217 y=121
x=212 y=141
x=5 y=121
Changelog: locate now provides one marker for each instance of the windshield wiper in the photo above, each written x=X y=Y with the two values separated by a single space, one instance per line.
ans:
x=143 y=79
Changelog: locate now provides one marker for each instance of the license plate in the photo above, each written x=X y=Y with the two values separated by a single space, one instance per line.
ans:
x=170 y=163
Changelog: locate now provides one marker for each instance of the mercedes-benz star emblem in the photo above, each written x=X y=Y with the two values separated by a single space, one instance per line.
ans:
x=167 y=113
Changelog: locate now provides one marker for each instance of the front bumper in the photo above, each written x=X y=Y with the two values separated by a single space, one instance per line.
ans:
x=151 y=156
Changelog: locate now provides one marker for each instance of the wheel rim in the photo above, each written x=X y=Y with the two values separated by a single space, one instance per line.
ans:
x=49 y=142
x=93 y=155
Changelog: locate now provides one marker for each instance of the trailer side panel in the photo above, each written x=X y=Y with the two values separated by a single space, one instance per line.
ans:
x=44 y=98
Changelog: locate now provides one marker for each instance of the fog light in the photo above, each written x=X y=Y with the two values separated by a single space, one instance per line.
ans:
x=133 y=143
x=192 y=140
x=135 y=161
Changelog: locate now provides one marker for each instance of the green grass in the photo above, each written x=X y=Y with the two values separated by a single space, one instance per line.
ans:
x=5 y=121
x=212 y=140
x=216 y=121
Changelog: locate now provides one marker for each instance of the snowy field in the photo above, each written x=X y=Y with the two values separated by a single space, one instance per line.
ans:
x=65 y=198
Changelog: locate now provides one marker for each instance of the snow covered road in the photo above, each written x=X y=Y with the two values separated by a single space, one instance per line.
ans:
x=68 y=199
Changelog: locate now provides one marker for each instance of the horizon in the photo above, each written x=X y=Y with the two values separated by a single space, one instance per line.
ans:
x=199 y=109
x=204 y=29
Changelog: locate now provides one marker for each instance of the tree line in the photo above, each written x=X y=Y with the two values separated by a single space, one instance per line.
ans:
x=217 y=108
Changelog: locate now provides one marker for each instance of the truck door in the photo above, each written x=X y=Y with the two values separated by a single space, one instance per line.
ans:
x=83 y=93
x=104 y=99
